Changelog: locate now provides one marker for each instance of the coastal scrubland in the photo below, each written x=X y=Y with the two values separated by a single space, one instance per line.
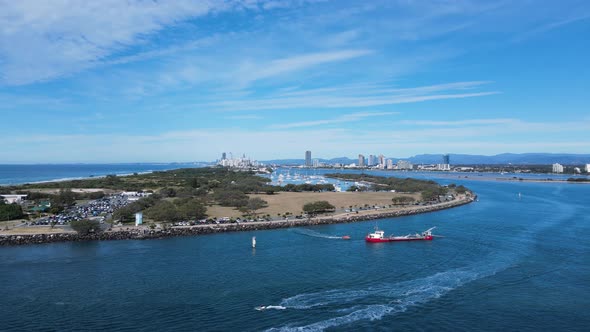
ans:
x=217 y=192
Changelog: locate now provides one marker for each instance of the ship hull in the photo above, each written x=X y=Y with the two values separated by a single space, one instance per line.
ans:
x=398 y=239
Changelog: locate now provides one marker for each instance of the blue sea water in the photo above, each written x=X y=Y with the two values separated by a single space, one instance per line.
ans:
x=19 y=174
x=504 y=263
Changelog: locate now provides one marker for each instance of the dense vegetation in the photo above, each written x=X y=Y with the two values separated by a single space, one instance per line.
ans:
x=253 y=205
x=205 y=179
x=10 y=211
x=179 y=209
x=85 y=226
x=307 y=187
x=318 y=207
x=578 y=180
x=186 y=182
x=403 y=200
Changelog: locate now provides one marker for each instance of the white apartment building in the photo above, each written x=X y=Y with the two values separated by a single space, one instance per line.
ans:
x=404 y=164
x=389 y=164
x=557 y=168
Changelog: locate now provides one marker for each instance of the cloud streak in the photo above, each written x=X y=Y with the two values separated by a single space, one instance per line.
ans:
x=353 y=117
x=40 y=41
x=335 y=97
x=551 y=26
x=249 y=72
x=458 y=123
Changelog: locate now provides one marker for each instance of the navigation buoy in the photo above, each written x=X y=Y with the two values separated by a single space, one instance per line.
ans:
x=254 y=242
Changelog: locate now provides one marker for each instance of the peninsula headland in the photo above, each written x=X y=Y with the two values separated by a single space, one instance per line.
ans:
x=199 y=201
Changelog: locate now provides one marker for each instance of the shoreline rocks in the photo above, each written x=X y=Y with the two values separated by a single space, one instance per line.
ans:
x=144 y=234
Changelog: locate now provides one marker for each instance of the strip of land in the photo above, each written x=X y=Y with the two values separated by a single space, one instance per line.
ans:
x=207 y=200
x=143 y=232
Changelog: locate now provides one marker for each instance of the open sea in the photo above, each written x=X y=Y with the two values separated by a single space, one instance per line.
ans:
x=505 y=263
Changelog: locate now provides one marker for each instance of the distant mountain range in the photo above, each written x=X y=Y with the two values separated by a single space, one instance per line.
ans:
x=466 y=159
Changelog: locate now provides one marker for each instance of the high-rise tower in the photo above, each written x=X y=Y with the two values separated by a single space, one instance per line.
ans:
x=446 y=159
x=361 y=161
x=308 y=158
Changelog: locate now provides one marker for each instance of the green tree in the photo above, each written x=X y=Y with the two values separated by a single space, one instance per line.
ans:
x=111 y=180
x=64 y=198
x=163 y=211
x=10 y=211
x=402 y=200
x=126 y=213
x=231 y=198
x=168 y=192
x=191 y=209
x=255 y=204
x=460 y=189
x=85 y=226
x=318 y=207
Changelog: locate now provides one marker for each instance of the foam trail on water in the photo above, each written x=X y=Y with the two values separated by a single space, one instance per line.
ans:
x=312 y=233
x=392 y=298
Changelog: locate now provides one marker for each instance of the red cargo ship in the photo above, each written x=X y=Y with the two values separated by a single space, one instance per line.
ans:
x=379 y=236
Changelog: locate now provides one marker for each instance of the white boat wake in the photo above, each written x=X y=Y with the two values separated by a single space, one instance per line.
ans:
x=382 y=300
x=309 y=232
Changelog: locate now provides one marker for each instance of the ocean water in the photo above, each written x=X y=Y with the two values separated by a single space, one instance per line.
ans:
x=19 y=174
x=504 y=263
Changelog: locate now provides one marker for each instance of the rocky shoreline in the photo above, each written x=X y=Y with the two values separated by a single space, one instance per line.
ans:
x=143 y=234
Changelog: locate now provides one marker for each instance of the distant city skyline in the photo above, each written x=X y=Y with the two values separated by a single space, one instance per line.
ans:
x=185 y=80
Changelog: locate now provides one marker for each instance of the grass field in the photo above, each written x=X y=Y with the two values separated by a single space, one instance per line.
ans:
x=34 y=230
x=293 y=202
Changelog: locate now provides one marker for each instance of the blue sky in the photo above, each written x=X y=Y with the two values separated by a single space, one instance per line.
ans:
x=141 y=81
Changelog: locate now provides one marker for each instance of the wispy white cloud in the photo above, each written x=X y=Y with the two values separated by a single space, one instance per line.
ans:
x=551 y=26
x=218 y=77
x=41 y=41
x=342 y=38
x=251 y=72
x=16 y=101
x=348 y=97
x=458 y=123
x=352 y=117
x=162 y=52
x=44 y=40
x=244 y=117
x=372 y=88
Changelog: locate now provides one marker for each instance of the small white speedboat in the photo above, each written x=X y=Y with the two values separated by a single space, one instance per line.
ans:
x=267 y=307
